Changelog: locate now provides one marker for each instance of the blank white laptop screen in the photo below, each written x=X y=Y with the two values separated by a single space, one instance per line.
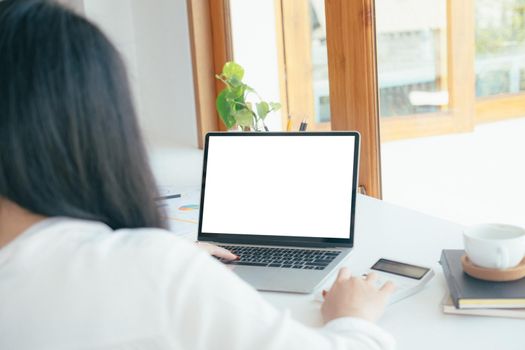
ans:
x=298 y=186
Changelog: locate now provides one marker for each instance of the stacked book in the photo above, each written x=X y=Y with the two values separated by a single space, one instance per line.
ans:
x=471 y=296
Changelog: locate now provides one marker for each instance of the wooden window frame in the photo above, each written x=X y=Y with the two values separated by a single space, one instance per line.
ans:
x=499 y=107
x=294 y=45
x=460 y=80
x=465 y=110
x=350 y=36
x=211 y=47
x=350 y=27
x=351 y=51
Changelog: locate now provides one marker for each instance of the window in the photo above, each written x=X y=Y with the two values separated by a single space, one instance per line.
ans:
x=311 y=61
x=453 y=65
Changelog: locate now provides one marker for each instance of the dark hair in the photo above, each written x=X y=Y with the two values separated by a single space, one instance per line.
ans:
x=70 y=144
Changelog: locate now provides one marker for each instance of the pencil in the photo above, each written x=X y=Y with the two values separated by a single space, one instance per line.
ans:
x=169 y=196
x=303 y=125
x=289 y=124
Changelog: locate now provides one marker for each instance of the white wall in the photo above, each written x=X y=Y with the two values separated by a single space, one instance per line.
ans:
x=118 y=28
x=165 y=71
x=153 y=37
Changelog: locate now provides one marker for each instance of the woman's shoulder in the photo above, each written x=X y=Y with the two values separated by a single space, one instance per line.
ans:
x=139 y=244
x=83 y=254
x=85 y=271
x=95 y=245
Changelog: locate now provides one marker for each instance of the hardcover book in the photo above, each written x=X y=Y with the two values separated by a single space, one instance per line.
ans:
x=471 y=293
x=449 y=308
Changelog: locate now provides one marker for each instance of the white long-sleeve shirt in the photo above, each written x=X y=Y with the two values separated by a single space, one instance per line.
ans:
x=72 y=284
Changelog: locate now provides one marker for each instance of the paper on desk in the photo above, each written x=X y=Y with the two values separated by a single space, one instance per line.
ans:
x=183 y=213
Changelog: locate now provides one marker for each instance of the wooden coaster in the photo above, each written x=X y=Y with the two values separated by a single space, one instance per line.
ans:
x=482 y=273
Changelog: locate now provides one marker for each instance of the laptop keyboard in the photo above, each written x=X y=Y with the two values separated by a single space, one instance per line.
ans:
x=307 y=259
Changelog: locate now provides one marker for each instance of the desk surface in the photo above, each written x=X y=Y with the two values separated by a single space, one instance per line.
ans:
x=386 y=230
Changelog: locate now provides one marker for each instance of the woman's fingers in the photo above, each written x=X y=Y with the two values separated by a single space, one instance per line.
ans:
x=388 y=288
x=219 y=252
x=344 y=274
x=224 y=254
x=371 y=277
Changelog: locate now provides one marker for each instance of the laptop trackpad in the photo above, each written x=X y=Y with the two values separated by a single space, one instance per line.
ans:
x=278 y=279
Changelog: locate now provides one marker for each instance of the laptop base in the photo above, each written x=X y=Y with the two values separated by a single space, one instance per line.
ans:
x=287 y=279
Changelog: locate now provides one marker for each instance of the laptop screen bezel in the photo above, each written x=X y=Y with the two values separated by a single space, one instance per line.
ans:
x=281 y=240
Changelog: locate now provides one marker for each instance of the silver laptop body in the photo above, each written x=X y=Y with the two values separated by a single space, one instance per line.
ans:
x=284 y=202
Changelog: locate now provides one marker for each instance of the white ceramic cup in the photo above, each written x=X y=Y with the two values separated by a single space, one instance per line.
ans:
x=495 y=246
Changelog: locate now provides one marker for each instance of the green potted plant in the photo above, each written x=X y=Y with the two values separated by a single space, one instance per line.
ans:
x=233 y=104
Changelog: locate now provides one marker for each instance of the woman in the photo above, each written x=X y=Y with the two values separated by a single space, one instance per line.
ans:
x=84 y=260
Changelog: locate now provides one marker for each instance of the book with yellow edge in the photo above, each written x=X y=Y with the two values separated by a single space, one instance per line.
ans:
x=471 y=293
x=449 y=308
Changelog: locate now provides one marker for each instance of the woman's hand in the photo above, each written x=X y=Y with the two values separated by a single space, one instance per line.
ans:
x=355 y=297
x=219 y=252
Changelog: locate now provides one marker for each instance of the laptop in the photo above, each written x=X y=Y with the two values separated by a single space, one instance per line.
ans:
x=283 y=202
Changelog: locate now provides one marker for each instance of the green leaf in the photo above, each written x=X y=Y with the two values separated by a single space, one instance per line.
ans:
x=232 y=70
x=224 y=108
x=262 y=109
x=244 y=118
x=250 y=107
x=234 y=82
x=275 y=106
x=237 y=92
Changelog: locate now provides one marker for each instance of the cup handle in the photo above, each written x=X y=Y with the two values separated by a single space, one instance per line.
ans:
x=503 y=258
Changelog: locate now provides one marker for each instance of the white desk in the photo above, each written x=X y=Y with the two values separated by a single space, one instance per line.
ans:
x=385 y=230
